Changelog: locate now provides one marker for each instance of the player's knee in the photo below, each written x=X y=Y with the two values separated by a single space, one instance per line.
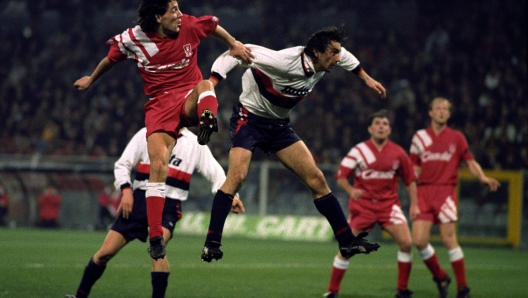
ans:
x=420 y=244
x=167 y=236
x=237 y=178
x=103 y=258
x=158 y=167
x=450 y=242
x=204 y=85
x=406 y=246
x=317 y=183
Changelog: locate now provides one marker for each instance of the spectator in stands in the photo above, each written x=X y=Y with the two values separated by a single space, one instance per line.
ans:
x=49 y=207
x=437 y=42
x=473 y=44
x=4 y=204
x=109 y=200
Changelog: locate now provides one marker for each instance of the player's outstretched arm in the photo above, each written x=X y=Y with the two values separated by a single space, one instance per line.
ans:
x=87 y=81
x=375 y=85
x=476 y=170
x=236 y=48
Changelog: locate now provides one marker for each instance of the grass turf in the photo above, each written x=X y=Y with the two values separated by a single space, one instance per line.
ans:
x=50 y=263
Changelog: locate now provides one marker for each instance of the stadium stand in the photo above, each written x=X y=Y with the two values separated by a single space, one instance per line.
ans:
x=473 y=53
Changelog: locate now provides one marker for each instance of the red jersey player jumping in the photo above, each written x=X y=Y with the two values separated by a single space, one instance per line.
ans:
x=376 y=166
x=164 y=43
x=437 y=152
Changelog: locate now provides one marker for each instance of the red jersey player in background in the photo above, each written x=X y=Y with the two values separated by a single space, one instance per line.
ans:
x=437 y=152
x=376 y=166
x=164 y=43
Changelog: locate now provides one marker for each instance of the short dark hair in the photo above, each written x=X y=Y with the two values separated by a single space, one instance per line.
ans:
x=321 y=39
x=379 y=114
x=147 y=11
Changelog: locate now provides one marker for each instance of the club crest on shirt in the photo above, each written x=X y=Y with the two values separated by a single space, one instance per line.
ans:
x=188 y=50
x=395 y=165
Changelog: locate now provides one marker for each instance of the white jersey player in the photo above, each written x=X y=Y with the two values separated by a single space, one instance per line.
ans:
x=274 y=84
x=186 y=158
x=282 y=78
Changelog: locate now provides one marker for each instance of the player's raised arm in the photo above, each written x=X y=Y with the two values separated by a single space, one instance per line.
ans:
x=236 y=48
x=264 y=59
x=87 y=81
x=375 y=85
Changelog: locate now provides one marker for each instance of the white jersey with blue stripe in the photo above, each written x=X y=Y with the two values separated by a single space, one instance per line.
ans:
x=276 y=80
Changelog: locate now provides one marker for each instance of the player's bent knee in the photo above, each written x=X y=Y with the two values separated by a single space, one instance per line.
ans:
x=237 y=179
x=103 y=258
x=420 y=245
x=204 y=85
x=406 y=247
x=157 y=165
x=318 y=184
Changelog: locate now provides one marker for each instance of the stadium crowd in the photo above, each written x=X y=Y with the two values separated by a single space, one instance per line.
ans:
x=473 y=53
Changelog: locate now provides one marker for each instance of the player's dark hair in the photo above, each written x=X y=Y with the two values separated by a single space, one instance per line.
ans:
x=147 y=11
x=321 y=39
x=379 y=114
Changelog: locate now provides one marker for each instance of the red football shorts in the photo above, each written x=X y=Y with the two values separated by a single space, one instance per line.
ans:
x=166 y=112
x=363 y=214
x=438 y=203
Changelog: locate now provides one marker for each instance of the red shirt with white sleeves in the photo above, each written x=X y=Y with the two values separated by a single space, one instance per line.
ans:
x=439 y=156
x=165 y=63
x=377 y=172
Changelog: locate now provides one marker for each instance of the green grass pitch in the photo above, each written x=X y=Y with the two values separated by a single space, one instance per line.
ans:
x=44 y=263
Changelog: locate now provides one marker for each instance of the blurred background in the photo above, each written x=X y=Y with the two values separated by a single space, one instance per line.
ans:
x=472 y=52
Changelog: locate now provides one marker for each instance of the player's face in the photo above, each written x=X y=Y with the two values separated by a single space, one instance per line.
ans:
x=328 y=59
x=439 y=112
x=170 y=22
x=379 y=129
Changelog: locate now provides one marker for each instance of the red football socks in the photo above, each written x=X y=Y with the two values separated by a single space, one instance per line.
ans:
x=207 y=101
x=155 y=202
